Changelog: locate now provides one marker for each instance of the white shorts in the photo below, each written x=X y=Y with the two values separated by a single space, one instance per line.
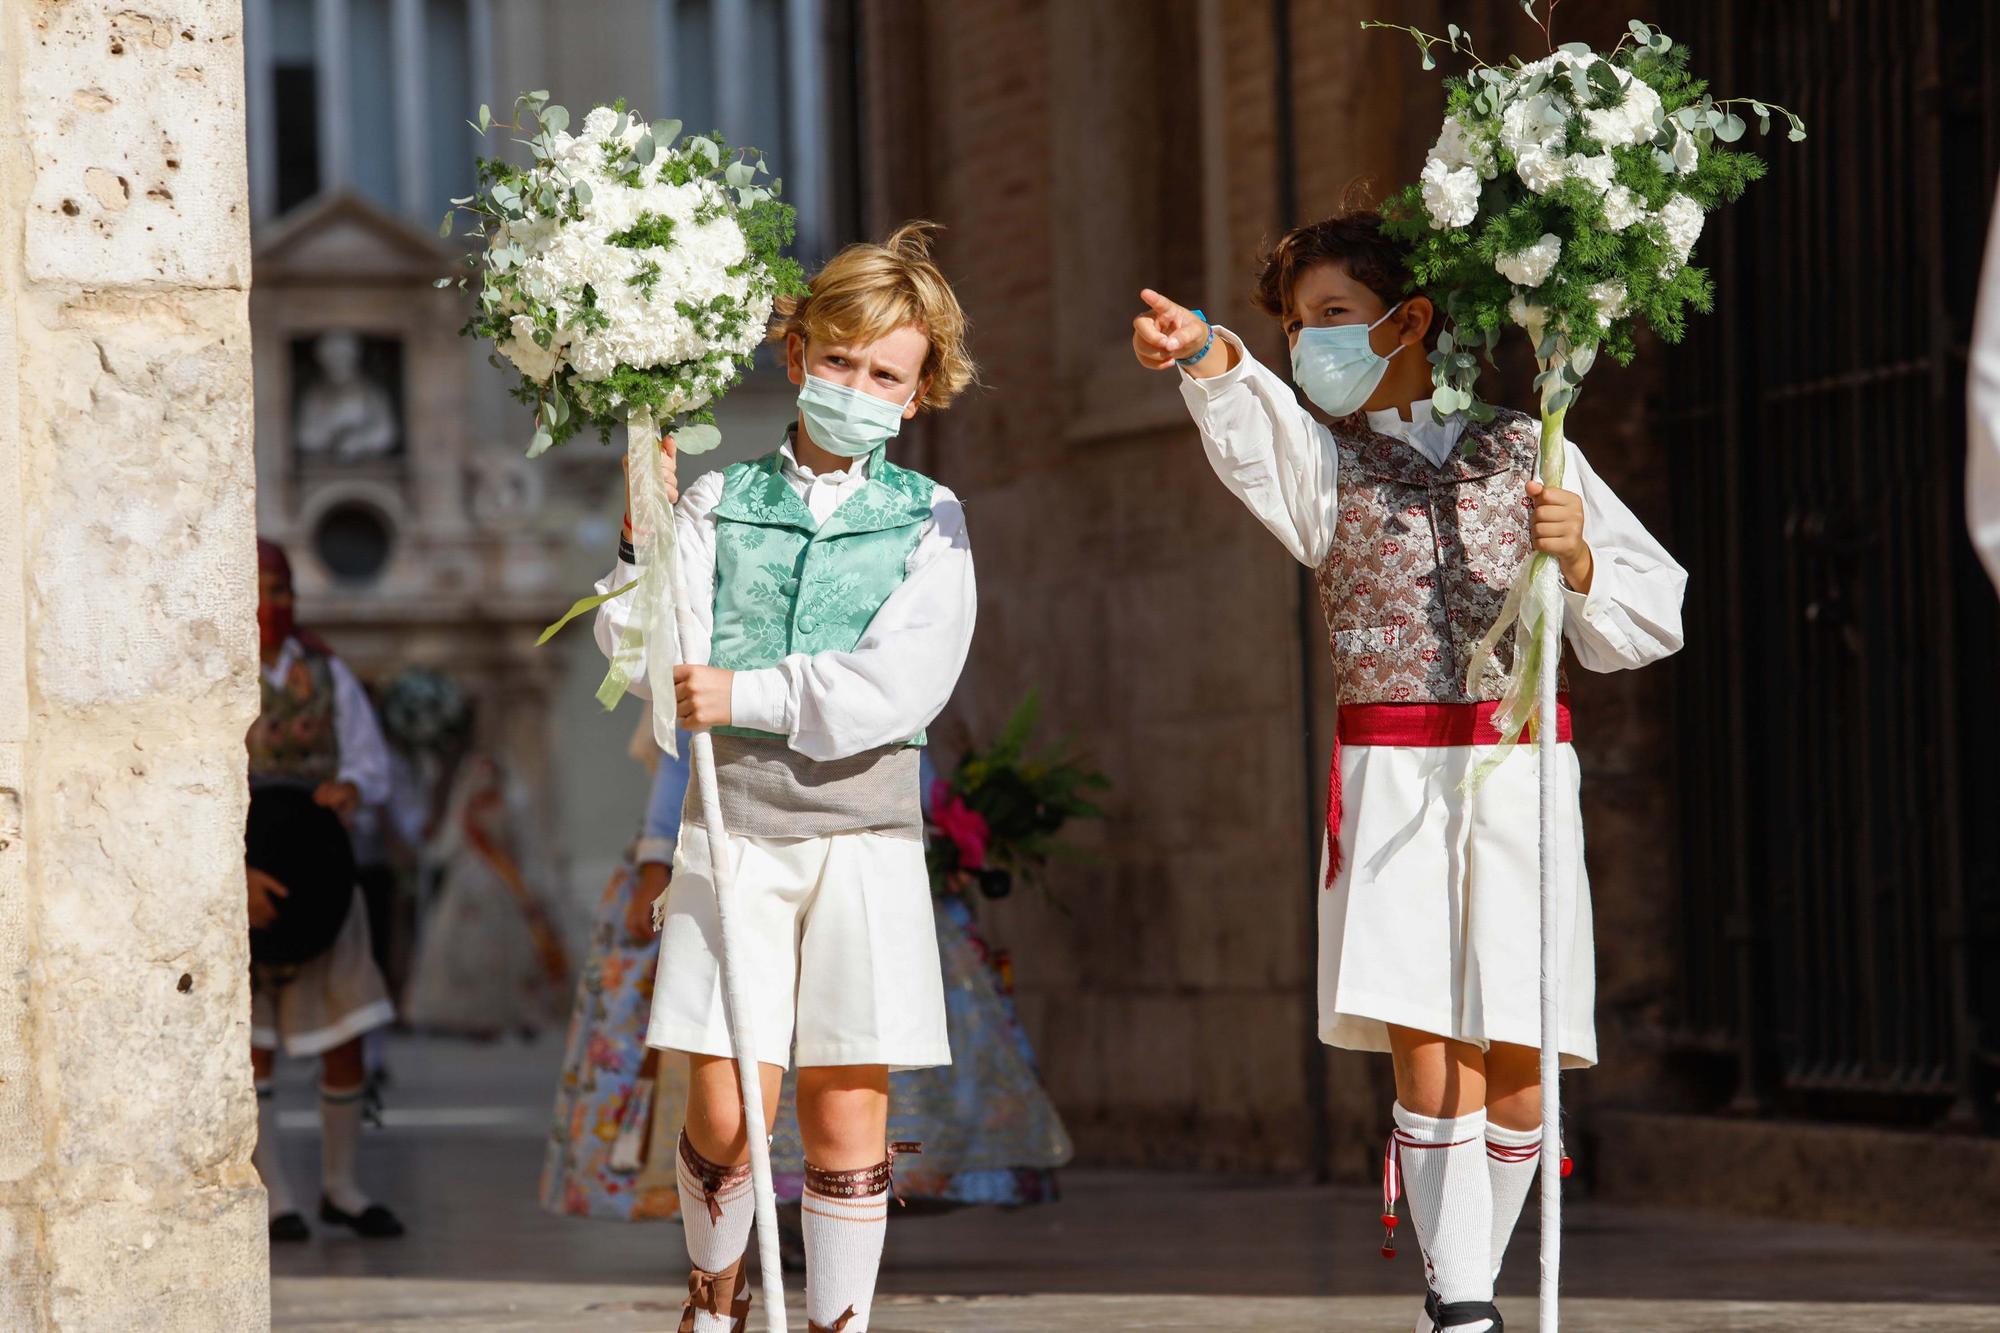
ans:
x=839 y=941
x=1434 y=923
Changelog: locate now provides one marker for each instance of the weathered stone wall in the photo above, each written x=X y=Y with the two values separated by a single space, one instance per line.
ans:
x=1075 y=153
x=127 y=673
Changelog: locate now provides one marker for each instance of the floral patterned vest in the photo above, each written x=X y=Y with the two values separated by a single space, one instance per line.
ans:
x=786 y=584
x=1422 y=557
x=293 y=738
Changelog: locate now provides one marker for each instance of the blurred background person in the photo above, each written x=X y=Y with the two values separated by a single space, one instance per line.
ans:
x=611 y=1148
x=490 y=958
x=315 y=746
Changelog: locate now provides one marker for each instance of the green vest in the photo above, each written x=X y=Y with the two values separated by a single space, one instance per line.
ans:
x=785 y=584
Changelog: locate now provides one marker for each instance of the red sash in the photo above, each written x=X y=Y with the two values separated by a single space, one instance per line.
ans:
x=1424 y=725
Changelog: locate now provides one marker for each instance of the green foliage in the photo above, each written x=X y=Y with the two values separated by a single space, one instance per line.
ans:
x=1025 y=794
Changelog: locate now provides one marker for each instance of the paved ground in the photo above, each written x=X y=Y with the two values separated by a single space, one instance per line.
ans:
x=1123 y=1250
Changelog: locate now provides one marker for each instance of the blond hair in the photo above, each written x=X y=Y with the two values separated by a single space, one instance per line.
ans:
x=869 y=290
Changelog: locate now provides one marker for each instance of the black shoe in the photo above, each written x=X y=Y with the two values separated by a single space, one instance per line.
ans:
x=1461 y=1312
x=289 y=1229
x=373 y=1222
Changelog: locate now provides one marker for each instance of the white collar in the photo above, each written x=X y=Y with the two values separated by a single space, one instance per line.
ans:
x=788 y=455
x=1433 y=439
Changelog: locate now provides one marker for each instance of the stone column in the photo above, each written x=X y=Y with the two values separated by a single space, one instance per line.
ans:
x=127 y=671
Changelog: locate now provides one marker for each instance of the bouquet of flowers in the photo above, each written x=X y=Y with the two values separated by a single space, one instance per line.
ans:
x=1564 y=196
x=998 y=814
x=628 y=273
x=625 y=270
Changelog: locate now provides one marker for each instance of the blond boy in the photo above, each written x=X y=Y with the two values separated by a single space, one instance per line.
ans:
x=835 y=597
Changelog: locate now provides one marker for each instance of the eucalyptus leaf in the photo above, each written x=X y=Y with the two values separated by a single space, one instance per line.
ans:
x=485 y=117
x=443 y=282
x=642 y=152
x=1758 y=108
x=1578 y=49
x=1662 y=44
x=1763 y=124
x=581 y=194
x=1528 y=8
x=540 y=444
x=1731 y=129
x=1797 y=134
x=444 y=228
x=555 y=119
x=1641 y=31
x=1445 y=342
x=696 y=439
x=666 y=131
x=1429 y=63
x=1451 y=31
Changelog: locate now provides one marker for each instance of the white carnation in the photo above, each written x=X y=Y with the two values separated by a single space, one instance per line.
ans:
x=1528 y=267
x=1531 y=123
x=1458 y=147
x=1541 y=171
x=1597 y=170
x=1685 y=153
x=1681 y=218
x=1631 y=121
x=1622 y=208
x=1609 y=298
x=1451 y=197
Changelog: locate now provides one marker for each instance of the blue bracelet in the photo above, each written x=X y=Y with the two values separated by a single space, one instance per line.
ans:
x=1190 y=360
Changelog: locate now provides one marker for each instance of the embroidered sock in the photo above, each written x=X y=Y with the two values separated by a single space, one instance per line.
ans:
x=717 y=1208
x=339 y=1140
x=1511 y=1158
x=846 y=1215
x=267 y=1159
x=1443 y=1169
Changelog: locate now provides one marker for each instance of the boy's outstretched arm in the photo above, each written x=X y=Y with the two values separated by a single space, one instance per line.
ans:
x=1265 y=447
x=1167 y=332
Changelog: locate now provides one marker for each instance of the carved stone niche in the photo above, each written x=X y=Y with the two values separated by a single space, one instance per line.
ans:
x=412 y=542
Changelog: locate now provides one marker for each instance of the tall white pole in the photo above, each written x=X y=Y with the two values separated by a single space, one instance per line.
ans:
x=1550 y=596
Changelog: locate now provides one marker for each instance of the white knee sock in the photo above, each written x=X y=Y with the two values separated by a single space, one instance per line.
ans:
x=1511 y=1158
x=717 y=1207
x=339 y=1140
x=267 y=1159
x=846 y=1215
x=1444 y=1177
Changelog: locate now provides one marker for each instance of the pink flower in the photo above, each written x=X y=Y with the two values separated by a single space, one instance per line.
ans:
x=958 y=821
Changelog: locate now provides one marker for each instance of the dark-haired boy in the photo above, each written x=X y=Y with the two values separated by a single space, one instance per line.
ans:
x=1416 y=527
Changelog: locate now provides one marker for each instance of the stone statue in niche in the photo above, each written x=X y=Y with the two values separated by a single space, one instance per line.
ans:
x=343 y=413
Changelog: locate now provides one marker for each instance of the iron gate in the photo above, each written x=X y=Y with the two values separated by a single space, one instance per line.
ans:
x=1837 y=691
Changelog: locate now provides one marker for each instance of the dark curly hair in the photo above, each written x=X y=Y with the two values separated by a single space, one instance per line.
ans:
x=1354 y=240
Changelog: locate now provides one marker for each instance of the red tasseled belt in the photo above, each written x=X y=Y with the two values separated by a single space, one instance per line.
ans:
x=1424 y=725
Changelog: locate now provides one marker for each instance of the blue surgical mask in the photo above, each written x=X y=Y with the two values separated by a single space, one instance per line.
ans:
x=847 y=422
x=1337 y=366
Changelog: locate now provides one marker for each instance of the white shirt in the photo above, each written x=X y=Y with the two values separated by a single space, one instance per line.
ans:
x=831 y=705
x=1982 y=412
x=364 y=756
x=1278 y=459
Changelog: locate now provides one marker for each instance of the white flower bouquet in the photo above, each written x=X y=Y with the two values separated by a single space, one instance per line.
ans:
x=1564 y=196
x=626 y=270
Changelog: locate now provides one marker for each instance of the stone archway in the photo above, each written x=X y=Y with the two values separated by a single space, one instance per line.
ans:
x=127 y=671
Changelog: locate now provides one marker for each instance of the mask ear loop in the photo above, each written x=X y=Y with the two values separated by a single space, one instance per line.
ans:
x=1384 y=320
